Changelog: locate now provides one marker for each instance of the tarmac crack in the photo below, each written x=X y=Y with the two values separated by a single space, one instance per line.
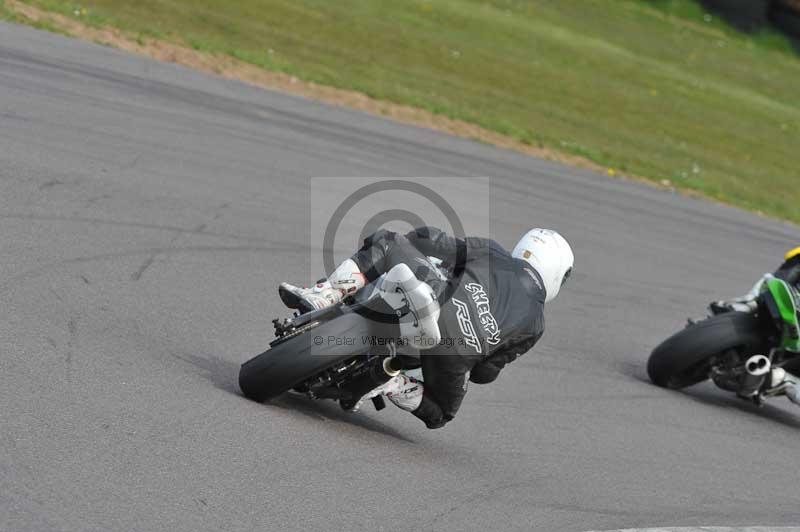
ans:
x=199 y=229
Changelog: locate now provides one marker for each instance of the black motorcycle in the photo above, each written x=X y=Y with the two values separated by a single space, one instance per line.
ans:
x=340 y=353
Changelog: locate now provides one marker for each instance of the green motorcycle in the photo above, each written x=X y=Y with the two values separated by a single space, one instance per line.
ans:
x=755 y=354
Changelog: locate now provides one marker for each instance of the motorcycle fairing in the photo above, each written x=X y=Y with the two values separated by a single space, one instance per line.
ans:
x=783 y=302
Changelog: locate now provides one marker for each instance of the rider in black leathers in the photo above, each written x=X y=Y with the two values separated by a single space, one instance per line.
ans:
x=491 y=306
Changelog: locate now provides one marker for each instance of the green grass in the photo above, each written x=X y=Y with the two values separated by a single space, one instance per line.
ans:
x=653 y=88
x=9 y=16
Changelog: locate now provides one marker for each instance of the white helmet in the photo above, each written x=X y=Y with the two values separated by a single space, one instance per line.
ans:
x=550 y=255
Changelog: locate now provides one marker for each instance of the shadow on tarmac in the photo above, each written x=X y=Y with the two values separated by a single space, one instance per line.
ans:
x=224 y=374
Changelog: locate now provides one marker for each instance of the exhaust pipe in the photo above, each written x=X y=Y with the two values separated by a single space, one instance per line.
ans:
x=378 y=373
x=756 y=371
x=392 y=366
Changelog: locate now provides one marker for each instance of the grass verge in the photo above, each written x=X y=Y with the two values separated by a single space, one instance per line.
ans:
x=654 y=89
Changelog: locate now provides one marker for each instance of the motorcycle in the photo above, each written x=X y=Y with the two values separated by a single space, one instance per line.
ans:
x=741 y=352
x=341 y=352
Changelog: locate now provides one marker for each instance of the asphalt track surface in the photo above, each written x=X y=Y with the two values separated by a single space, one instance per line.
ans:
x=148 y=212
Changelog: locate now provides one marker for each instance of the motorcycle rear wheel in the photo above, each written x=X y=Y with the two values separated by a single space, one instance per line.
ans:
x=298 y=359
x=685 y=358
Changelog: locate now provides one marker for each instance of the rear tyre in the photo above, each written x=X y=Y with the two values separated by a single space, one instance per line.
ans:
x=684 y=358
x=298 y=359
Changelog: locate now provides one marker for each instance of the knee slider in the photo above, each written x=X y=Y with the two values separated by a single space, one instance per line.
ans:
x=417 y=302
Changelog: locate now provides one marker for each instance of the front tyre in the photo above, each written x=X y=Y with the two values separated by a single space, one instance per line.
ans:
x=685 y=358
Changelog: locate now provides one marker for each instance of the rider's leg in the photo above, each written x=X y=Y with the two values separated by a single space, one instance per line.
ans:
x=403 y=390
x=345 y=280
x=745 y=303
x=379 y=254
x=779 y=376
x=793 y=393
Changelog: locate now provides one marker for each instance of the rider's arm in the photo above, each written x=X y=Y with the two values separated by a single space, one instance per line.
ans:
x=445 y=386
x=488 y=369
